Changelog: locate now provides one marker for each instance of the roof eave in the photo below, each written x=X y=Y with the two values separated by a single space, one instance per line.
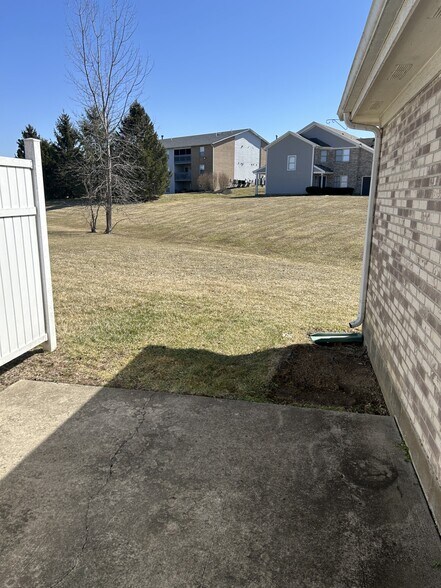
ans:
x=241 y=133
x=361 y=53
x=399 y=53
x=293 y=134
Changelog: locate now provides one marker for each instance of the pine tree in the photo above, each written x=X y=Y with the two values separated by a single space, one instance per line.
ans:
x=29 y=132
x=137 y=130
x=66 y=154
x=47 y=159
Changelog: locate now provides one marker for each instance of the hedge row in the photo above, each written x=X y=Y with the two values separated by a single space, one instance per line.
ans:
x=328 y=190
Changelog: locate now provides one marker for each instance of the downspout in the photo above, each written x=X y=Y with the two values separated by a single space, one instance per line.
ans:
x=370 y=214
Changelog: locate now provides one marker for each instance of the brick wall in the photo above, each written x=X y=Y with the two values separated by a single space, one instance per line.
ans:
x=223 y=158
x=403 y=313
x=359 y=165
x=196 y=160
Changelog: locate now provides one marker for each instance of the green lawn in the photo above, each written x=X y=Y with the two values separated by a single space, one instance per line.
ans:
x=198 y=293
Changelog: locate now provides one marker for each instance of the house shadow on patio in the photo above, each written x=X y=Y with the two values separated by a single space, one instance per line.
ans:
x=111 y=487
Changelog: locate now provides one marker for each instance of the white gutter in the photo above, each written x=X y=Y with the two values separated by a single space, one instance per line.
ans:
x=373 y=19
x=370 y=214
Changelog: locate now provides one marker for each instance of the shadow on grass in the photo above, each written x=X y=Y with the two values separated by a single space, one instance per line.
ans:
x=67 y=203
x=200 y=372
x=337 y=377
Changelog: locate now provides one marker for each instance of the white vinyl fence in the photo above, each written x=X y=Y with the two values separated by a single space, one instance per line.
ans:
x=26 y=305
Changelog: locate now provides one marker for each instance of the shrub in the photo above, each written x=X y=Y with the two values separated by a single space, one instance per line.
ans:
x=329 y=190
x=206 y=182
x=314 y=190
x=223 y=181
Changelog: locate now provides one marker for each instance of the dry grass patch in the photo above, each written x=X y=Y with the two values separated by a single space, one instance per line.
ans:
x=198 y=293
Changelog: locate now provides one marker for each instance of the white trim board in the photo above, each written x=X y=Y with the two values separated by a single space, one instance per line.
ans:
x=15 y=162
x=293 y=134
x=10 y=212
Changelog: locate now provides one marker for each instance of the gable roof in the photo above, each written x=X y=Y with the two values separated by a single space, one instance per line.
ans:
x=293 y=134
x=319 y=168
x=369 y=141
x=338 y=133
x=204 y=139
x=236 y=134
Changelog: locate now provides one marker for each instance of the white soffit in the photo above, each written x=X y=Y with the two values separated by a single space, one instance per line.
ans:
x=409 y=57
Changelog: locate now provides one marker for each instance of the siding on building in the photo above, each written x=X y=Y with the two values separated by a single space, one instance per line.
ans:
x=171 y=169
x=403 y=313
x=246 y=156
x=278 y=179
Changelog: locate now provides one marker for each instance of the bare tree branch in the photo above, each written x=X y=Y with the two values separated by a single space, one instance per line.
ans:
x=108 y=73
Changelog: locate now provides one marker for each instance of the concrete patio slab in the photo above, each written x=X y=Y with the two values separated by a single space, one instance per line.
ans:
x=109 y=488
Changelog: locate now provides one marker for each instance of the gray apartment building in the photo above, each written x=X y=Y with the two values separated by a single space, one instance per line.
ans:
x=237 y=154
x=318 y=155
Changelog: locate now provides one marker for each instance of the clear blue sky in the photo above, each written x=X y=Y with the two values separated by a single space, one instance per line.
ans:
x=272 y=65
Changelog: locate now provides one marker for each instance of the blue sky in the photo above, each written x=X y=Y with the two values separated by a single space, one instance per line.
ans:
x=217 y=64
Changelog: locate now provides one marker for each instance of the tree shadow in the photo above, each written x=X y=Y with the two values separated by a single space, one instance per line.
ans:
x=66 y=203
x=269 y=196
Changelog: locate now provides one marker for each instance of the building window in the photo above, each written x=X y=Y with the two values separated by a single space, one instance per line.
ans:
x=202 y=168
x=342 y=182
x=202 y=151
x=342 y=154
x=323 y=156
x=291 y=163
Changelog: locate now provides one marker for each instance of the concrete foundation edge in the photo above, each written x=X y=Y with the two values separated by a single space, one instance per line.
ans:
x=426 y=476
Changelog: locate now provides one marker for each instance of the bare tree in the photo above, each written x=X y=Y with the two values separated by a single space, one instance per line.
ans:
x=108 y=74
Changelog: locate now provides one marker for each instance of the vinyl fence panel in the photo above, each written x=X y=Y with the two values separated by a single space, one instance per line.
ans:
x=26 y=304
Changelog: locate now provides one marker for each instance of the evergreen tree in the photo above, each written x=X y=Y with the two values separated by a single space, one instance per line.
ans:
x=67 y=153
x=137 y=130
x=29 y=132
x=47 y=159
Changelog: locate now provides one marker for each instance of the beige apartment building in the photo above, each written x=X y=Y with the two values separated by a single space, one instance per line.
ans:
x=236 y=153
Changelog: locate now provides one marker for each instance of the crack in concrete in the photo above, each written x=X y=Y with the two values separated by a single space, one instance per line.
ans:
x=141 y=418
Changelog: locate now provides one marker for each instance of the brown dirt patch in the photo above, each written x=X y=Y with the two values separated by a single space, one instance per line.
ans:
x=337 y=377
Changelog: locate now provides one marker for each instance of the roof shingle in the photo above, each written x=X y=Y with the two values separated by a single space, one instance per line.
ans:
x=197 y=140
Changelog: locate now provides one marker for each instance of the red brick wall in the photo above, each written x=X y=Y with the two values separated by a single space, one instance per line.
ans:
x=403 y=313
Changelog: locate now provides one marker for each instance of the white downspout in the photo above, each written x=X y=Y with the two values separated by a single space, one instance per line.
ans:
x=370 y=214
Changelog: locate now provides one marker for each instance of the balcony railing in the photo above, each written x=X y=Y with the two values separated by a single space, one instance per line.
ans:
x=182 y=158
x=183 y=177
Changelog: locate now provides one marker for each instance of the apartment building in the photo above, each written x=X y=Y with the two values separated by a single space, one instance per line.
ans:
x=321 y=156
x=236 y=153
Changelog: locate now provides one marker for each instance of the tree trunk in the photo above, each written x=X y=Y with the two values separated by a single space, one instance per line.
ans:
x=109 y=201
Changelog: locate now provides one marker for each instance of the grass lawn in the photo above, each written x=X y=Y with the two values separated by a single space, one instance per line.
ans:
x=198 y=293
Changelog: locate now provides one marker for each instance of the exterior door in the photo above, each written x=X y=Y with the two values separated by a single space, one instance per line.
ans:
x=365 y=185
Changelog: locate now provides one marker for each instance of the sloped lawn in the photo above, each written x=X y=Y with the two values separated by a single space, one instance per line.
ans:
x=196 y=293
